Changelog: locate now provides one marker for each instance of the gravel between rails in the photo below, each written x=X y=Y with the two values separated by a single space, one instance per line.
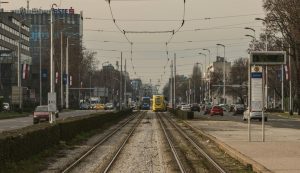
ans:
x=66 y=156
x=146 y=150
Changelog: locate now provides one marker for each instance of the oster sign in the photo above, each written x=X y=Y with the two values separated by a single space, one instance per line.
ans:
x=63 y=11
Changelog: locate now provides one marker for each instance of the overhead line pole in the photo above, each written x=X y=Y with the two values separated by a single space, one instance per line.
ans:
x=174 y=80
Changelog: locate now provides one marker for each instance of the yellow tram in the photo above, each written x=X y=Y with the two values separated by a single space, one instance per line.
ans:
x=158 y=103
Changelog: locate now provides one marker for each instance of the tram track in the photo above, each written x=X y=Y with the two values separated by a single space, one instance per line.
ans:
x=165 y=119
x=75 y=163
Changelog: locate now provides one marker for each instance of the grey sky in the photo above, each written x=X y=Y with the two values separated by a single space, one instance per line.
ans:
x=149 y=55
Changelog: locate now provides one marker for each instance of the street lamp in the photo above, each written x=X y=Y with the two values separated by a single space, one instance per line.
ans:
x=19 y=62
x=61 y=67
x=209 y=91
x=224 y=75
x=67 y=70
x=204 y=69
x=200 y=80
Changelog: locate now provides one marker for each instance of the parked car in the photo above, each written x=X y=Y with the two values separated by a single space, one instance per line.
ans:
x=100 y=106
x=216 y=110
x=195 y=107
x=109 y=106
x=85 y=106
x=185 y=108
x=225 y=107
x=254 y=115
x=41 y=114
x=207 y=109
x=6 y=107
x=238 y=109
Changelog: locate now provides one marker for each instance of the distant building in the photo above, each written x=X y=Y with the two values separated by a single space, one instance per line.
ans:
x=66 y=20
x=218 y=65
x=14 y=34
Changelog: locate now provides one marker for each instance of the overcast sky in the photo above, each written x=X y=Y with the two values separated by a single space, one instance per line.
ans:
x=225 y=26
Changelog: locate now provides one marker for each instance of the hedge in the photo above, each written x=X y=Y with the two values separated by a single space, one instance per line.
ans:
x=26 y=142
x=182 y=114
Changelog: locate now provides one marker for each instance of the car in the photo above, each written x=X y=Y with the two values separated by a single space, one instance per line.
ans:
x=41 y=114
x=6 y=107
x=100 y=106
x=85 y=106
x=185 y=107
x=224 y=107
x=216 y=110
x=195 y=107
x=238 y=109
x=207 y=109
x=254 y=115
x=109 y=106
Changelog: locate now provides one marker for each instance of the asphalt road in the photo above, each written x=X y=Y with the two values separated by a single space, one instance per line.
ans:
x=10 y=124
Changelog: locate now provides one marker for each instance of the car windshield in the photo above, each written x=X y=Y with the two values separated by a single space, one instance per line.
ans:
x=41 y=109
x=5 y=104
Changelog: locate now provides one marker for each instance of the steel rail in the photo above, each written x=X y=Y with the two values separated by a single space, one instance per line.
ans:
x=124 y=143
x=87 y=153
x=214 y=163
x=171 y=146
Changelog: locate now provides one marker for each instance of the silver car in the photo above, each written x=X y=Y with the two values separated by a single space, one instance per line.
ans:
x=254 y=115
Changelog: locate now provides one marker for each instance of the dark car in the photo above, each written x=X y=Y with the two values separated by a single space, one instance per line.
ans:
x=239 y=109
x=41 y=114
x=216 y=110
x=195 y=107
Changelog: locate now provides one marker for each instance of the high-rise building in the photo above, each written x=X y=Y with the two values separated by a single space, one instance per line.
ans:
x=14 y=41
x=66 y=24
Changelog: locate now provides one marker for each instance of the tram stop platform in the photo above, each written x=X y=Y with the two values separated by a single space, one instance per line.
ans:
x=280 y=153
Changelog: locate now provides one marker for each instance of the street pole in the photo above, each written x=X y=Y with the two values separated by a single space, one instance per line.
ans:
x=125 y=99
x=51 y=59
x=290 y=82
x=224 y=78
x=40 y=41
x=67 y=74
x=19 y=68
x=224 y=74
x=189 y=91
x=171 y=85
x=282 y=89
x=61 y=71
x=174 y=80
x=120 y=94
x=209 y=91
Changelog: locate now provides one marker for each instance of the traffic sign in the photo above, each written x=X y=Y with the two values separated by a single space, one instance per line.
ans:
x=52 y=102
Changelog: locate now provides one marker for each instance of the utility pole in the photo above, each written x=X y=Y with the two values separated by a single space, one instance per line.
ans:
x=61 y=71
x=171 y=85
x=67 y=74
x=125 y=99
x=290 y=82
x=189 y=91
x=51 y=60
x=174 y=96
x=120 y=94
x=19 y=68
x=40 y=42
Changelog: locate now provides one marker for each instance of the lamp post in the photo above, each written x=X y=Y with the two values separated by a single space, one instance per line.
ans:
x=201 y=88
x=67 y=70
x=209 y=91
x=19 y=63
x=204 y=71
x=224 y=74
x=61 y=67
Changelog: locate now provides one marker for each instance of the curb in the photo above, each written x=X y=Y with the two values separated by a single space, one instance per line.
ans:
x=245 y=160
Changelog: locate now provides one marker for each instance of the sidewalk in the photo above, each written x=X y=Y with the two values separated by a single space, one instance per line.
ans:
x=280 y=153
